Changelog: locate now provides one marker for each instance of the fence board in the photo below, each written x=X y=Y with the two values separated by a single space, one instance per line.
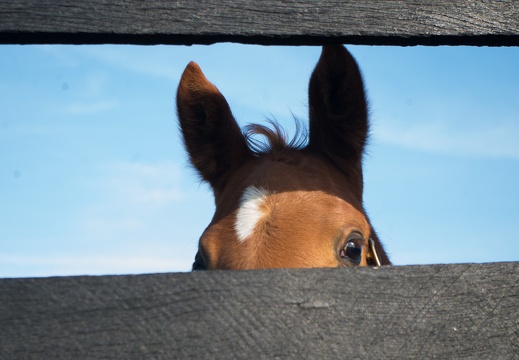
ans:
x=441 y=311
x=296 y=22
x=449 y=311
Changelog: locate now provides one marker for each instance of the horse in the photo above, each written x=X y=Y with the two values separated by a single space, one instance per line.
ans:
x=280 y=203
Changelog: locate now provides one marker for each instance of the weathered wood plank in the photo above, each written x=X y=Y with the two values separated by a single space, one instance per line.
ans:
x=296 y=22
x=440 y=311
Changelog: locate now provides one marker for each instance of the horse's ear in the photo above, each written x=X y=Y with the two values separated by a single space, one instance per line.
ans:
x=213 y=139
x=338 y=108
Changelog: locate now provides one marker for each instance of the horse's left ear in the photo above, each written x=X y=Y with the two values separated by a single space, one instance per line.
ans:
x=338 y=109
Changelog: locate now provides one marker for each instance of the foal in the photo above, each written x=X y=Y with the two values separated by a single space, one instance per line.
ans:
x=284 y=205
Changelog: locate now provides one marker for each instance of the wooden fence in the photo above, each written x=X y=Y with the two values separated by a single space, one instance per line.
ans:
x=282 y=22
x=436 y=311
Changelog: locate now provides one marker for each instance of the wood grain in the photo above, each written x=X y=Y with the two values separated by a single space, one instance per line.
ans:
x=467 y=311
x=282 y=22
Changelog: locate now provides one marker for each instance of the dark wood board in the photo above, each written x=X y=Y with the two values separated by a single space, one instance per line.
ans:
x=465 y=311
x=281 y=22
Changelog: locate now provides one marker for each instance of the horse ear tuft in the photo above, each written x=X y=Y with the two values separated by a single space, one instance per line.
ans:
x=213 y=139
x=338 y=108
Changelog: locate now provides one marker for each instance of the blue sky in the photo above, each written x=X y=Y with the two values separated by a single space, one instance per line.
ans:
x=94 y=178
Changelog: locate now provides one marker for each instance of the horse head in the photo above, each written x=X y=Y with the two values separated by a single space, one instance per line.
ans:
x=284 y=205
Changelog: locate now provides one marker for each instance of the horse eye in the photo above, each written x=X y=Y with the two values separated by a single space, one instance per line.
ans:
x=352 y=252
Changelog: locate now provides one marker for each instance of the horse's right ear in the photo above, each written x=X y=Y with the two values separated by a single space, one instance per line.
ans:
x=213 y=139
x=338 y=110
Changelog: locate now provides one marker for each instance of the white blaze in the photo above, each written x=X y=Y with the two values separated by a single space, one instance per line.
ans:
x=250 y=211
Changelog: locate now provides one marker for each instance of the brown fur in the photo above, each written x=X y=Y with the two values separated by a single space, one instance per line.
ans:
x=315 y=205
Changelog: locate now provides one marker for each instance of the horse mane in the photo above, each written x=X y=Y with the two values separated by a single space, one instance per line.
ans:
x=276 y=138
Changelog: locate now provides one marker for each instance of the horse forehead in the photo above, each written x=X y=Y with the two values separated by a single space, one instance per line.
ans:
x=259 y=205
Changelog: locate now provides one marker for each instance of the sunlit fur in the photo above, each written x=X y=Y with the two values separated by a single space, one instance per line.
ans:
x=280 y=203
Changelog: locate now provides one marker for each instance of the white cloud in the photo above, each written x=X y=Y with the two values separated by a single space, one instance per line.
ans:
x=110 y=227
x=498 y=139
x=94 y=85
x=151 y=184
x=52 y=265
x=133 y=197
x=130 y=58
x=91 y=107
x=57 y=51
x=40 y=130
